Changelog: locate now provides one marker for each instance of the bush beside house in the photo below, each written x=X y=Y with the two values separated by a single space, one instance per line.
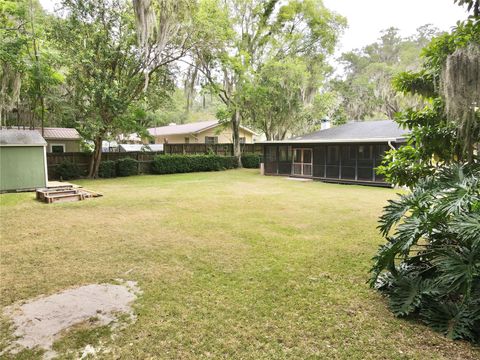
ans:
x=251 y=161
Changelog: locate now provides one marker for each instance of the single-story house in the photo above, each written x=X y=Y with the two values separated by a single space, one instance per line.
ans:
x=345 y=154
x=23 y=160
x=140 y=147
x=61 y=140
x=203 y=132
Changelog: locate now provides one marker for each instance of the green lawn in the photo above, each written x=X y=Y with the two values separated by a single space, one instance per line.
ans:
x=232 y=265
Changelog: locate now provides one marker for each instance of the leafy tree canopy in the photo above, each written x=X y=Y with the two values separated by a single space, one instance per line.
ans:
x=366 y=91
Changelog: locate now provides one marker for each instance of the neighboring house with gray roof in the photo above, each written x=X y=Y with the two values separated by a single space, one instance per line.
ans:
x=347 y=154
x=203 y=132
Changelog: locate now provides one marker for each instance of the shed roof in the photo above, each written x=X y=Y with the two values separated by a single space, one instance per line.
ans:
x=191 y=128
x=14 y=137
x=365 y=131
x=60 y=133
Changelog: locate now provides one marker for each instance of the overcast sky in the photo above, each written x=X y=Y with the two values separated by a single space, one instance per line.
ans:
x=366 y=18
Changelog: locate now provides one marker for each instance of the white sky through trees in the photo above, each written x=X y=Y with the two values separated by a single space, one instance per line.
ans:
x=366 y=18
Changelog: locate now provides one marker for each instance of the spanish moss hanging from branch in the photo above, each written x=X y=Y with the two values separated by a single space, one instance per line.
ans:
x=461 y=91
x=160 y=23
x=146 y=20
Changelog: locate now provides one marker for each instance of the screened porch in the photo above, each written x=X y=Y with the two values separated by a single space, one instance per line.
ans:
x=346 y=163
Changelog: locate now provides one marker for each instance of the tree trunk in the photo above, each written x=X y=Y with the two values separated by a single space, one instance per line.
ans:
x=96 y=158
x=42 y=102
x=237 y=151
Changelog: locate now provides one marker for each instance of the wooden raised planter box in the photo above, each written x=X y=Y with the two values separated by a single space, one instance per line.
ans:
x=66 y=194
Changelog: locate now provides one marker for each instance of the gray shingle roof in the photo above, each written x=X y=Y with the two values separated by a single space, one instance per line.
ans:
x=381 y=130
x=14 y=137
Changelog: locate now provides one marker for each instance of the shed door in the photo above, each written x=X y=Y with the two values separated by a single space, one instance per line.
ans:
x=302 y=162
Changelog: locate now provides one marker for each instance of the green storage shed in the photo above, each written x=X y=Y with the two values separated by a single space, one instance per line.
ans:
x=23 y=160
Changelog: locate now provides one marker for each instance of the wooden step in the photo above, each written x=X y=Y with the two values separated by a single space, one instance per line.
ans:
x=64 y=198
x=64 y=195
x=41 y=194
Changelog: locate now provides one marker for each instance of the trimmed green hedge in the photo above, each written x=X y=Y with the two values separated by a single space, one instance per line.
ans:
x=251 y=161
x=127 y=167
x=107 y=169
x=162 y=164
x=67 y=170
x=172 y=164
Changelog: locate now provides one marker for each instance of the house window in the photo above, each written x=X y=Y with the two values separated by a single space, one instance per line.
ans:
x=211 y=139
x=187 y=140
x=57 y=148
x=242 y=140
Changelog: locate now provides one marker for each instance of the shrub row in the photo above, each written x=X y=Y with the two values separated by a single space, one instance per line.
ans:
x=251 y=161
x=127 y=167
x=172 y=164
x=162 y=164
x=67 y=170
x=107 y=169
x=121 y=167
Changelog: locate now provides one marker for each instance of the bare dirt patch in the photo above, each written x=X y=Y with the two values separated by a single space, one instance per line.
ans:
x=39 y=322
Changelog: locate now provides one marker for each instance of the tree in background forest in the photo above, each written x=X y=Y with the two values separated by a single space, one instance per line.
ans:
x=429 y=267
x=30 y=80
x=243 y=40
x=112 y=68
x=366 y=91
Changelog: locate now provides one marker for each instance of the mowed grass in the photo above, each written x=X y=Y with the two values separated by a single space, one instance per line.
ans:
x=231 y=264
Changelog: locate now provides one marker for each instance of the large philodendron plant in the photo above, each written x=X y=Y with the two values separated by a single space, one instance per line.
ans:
x=430 y=265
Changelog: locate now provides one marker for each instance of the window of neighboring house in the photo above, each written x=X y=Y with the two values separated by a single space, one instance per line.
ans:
x=57 y=148
x=242 y=140
x=187 y=140
x=211 y=139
